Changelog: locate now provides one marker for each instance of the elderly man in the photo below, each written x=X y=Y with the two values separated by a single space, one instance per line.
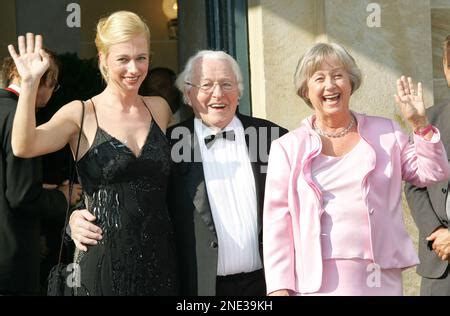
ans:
x=430 y=208
x=218 y=181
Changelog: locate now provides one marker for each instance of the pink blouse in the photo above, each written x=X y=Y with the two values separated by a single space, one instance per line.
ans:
x=344 y=223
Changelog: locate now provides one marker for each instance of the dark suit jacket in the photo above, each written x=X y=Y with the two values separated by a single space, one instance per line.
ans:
x=428 y=204
x=23 y=203
x=195 y=233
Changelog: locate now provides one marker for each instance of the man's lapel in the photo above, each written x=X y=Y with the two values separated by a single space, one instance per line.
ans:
x=195 y=181
x=254 y=160
x=444 y=127
x=436 y=191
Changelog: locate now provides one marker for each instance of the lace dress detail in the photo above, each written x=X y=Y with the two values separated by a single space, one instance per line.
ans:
x=127 y=194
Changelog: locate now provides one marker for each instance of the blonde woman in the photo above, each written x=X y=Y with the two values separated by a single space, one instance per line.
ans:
x=123 y=161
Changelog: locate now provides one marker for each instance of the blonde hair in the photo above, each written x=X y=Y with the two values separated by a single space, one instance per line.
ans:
x=118 y=27
x=311 y=61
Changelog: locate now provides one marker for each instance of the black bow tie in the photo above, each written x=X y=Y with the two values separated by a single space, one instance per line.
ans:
x=210 y=139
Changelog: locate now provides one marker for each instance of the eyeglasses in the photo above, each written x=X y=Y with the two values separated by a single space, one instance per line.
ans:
x=208 y=87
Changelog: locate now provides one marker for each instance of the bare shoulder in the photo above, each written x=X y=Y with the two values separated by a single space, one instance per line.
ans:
x=160 y=110
x=71 y=112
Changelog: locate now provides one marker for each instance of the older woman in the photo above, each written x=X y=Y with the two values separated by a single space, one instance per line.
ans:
x=333 y=220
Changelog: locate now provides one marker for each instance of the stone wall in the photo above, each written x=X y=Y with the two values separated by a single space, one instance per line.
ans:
x=281 y=31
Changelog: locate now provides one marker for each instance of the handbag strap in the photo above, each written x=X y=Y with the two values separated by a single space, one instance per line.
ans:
x=71 y=180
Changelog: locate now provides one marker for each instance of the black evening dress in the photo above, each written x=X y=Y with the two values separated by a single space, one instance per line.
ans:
x=127 y=194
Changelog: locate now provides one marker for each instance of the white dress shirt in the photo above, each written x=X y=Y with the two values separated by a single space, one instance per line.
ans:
x=231 y=191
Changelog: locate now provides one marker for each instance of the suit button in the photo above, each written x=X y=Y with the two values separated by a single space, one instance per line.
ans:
x=371 y=211
x=213 y=244
x=444 y=190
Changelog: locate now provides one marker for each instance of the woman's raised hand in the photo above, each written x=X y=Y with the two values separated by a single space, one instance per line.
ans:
x=31 y=61
x=411 y=102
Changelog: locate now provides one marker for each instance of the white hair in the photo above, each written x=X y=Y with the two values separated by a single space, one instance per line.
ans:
x=187 y=73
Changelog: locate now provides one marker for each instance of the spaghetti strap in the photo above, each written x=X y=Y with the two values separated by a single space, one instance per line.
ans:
x=148 y=109
x=126 y=191
x=95 y=112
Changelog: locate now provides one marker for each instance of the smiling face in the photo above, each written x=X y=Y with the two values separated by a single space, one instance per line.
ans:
x=215 y=108
x=329 y=89
x=127 y=63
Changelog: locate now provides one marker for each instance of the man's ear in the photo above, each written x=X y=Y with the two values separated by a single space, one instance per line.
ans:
x=187 y=98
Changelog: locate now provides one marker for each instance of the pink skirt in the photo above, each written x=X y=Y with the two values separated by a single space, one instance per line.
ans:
x=358 y=277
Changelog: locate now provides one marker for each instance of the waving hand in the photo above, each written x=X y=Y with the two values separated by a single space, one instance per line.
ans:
x=411 y=102
x=31 y=61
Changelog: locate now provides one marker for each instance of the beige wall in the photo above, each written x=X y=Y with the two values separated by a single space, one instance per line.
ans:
x=279 y=31
x=287 y=28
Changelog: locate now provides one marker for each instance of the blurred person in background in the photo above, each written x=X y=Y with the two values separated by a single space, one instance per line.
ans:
x=25 y=201
x=430 y=208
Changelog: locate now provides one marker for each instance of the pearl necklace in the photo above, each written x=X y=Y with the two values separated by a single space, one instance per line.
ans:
x=335 y=135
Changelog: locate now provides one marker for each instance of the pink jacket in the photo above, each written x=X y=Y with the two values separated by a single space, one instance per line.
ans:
x=291 y=229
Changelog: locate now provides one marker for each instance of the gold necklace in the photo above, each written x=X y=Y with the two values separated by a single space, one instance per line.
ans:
x=338 y=134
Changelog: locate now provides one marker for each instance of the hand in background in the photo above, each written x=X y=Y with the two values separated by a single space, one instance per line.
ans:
x=77 y=190
x=48 y=186
x=441 y=242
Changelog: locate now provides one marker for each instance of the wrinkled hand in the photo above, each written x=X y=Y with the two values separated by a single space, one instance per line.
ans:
x=76 y=191
x=32 y=61
x=411 y=102
x=441 y=242
x=83 y=232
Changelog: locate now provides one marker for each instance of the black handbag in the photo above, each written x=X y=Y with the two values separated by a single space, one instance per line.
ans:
x=58 y=281
x=64 y=278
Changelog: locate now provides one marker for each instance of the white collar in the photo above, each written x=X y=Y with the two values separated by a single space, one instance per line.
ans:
x=14 y=87
x=204 y=130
